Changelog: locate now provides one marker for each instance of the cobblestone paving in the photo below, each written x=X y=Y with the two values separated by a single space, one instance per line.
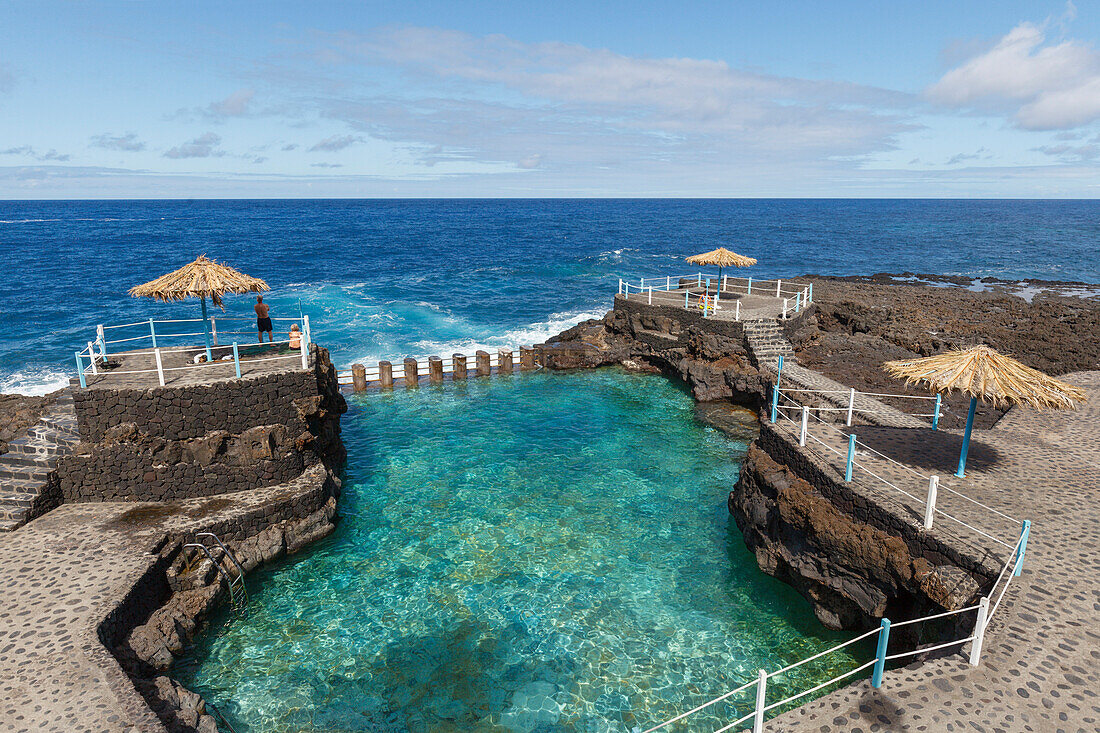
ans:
x=60 y=576
x=1040 y=667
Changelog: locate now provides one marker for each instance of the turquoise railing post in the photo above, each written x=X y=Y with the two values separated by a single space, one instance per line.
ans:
x=936 y=414
x=798 y=301
x=153 y=332
x=236 y=360
x=779 y=370
x=966 y=437
x=698 y=279
x=686 y=303
x=880 y=659
x=749 y=290
x=775 y=403
x=810 y=294
x=80 y=371
x=1023 y=546
x=851 y=456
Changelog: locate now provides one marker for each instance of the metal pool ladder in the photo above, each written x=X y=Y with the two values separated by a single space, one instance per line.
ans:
x=238 y=592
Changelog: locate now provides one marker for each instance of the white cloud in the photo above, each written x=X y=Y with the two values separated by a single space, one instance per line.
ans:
x=335 y=143
x=30 y=152
x=126 y=143
x=235 y=105
x=204 y=146
x=1043 y=86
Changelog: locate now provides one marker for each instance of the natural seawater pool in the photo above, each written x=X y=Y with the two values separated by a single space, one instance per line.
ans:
x=545 y=552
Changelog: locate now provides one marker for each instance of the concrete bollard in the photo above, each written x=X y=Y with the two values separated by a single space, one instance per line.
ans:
x=483 y=368
x=526 y=358
x=358 y=377
x=505 y=361
x=412 y=376
x=385 y=375
x=435 y=370
x=459 y=368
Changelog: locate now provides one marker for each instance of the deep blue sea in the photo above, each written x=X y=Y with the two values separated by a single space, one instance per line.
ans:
x=416 y=277
x=543 y=552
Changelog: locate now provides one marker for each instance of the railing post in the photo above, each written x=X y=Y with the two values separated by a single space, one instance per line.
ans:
x=810 y=294
x=778 y=285
x=504 y=361
x=851 y=456
x=880 y=659
x=1024 y=532
x=237 y=360
x=620 y=286
x=724 y=279
x=358 y=377
x=775 y=402
x=805 y=423
x=706 y=305
x=160 y=367
x=484 y=369
x=458 y=367
x=761 y=695
x=80 y=370
x=930 y=503
x=641 y=284
x=526 y=359
x=936 y=414
x=749 y=290
x=979 y=632
x=778 y=372
x=153 y=332
x=304 y=346
x=737 y=312
x=698 y=279
x=91 y=357
x=435 y=370
x=687 y=304
x=102 y=341
x=385 y=375
x=851 y=404
x=412 y=375
x=650 y=295
x=784 y=308
x=798 y=301
x=214 y=329
x=668 y=282
x=626 y=289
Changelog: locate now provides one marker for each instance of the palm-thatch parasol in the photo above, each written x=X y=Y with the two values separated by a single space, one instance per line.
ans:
x=720 y=258
x=203 y=279
x=989 y=376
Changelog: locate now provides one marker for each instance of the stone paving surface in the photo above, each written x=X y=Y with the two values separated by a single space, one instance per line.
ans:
x=757 y=305
x=60 y=575
x=1040 y=667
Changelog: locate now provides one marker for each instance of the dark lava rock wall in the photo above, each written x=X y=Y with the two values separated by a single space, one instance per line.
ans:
x=255 y=432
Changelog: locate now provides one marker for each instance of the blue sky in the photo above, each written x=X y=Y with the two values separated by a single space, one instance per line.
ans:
x=365 y=99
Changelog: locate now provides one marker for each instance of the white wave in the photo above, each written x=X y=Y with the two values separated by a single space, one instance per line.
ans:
x=534 y=333
x=34 y=382
x=24 y=221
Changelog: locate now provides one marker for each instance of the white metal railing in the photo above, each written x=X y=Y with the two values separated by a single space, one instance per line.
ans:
x=96 y=352
x=984 y=613
x=852 y=395
x=702 y=296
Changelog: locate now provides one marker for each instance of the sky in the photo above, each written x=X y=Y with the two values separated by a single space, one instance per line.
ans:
x=549 y=99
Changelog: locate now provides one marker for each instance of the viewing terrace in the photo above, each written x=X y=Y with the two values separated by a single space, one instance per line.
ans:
x=724 y=299
x=163 y=352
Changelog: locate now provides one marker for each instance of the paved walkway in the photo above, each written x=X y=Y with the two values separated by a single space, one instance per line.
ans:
x=60 y=576
x=1040 y=669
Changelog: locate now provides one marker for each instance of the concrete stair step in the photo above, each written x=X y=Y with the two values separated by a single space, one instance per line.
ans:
x=13 y=501
x=18 y=487
x=14 y=472
x=33 y=461
x=38 y=445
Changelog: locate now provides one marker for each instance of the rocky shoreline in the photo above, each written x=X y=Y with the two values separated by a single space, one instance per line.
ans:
x=852 y=563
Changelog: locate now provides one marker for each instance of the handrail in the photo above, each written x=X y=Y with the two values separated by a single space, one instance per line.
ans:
x=793 y=299
x=985 y=613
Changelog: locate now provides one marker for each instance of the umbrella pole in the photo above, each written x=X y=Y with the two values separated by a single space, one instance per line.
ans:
x=966 y=436
x=206 y=330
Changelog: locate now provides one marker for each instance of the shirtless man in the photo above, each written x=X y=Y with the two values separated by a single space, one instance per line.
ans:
x=263 y=320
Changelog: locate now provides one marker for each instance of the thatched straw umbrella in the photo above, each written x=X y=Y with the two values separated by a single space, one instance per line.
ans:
x=989 y=376
x=720 y=258
x=203 y=279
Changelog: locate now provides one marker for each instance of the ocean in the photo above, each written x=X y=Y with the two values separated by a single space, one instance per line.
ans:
x=386 y=278
x=546 y=552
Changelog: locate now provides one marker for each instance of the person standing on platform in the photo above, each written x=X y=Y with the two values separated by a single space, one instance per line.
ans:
x=263 y=319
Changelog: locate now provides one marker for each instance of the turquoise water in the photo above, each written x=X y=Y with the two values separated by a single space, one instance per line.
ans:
x=549 y=552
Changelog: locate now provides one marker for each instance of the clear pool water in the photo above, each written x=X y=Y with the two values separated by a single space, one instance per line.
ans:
x=550 y=552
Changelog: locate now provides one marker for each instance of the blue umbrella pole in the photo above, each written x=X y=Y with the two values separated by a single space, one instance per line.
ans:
x=966 y=436
x=206 y=331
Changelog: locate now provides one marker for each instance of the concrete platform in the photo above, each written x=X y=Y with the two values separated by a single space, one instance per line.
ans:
x=137 y=369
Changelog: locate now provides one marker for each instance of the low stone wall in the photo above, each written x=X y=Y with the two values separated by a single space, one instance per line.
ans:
x=178 y=413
